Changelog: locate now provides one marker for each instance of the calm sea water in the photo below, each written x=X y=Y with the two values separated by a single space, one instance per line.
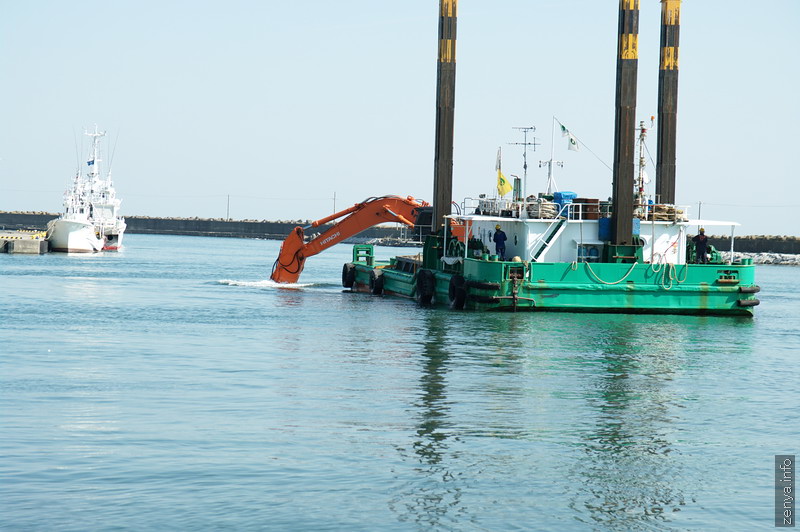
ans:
x=169 y=387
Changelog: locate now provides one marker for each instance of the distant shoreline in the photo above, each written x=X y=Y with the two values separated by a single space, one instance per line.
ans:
x=219 y=227
x=277 y=230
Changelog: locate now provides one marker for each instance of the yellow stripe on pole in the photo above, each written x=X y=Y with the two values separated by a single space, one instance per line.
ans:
x=629 y=46
x=447 y=50
x=669 y=58
x=449 y=8
x=671 y=12
x=629 y=4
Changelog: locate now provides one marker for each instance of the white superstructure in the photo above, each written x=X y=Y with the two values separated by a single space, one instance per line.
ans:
x=91 y=220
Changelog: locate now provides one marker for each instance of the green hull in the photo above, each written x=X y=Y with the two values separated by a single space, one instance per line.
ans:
x=480 y=284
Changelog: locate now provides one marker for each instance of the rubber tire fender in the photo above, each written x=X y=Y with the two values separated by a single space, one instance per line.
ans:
x=426 y=285
x=376 y=282
x=349 y=275
x=457 y=293
x=482 y=285
x=483 y=299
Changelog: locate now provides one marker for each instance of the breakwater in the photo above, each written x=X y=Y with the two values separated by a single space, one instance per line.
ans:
x=750 y=244
x=198 y=226
x=758 y=244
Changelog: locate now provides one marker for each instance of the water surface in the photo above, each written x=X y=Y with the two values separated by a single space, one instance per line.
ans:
x=171 y=386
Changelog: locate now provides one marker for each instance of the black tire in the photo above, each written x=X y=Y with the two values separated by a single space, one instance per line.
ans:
x=376 y=282
x=348 y=275
x=749 y=289
x=457 y=293
x=481 y=285
x=426 y=286
x=483 y=299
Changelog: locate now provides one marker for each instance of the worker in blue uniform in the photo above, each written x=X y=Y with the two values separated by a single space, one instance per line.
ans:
x=701 y=247
x=500 y=242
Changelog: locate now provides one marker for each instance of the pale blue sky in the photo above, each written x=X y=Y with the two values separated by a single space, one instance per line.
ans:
x=282 y=104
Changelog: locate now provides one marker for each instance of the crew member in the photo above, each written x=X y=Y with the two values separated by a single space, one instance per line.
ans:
x=701 y=247
x=500 y=242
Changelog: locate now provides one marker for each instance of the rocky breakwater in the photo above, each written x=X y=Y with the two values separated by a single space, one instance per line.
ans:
x=758 y=244
x=786 y=259
x=762 y=249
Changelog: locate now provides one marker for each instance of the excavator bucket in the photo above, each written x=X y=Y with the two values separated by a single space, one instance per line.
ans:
x=289 y=265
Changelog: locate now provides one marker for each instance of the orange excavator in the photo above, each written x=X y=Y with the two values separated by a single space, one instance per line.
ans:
x=372 y=211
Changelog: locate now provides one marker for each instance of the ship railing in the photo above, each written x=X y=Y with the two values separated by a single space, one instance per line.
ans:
x=662 y=212
x=547 y=236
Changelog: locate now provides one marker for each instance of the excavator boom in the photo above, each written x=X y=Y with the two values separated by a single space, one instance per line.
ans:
x=373 y=211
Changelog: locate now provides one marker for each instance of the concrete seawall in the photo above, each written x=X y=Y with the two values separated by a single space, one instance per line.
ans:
x=191 y=226
x=279 y=230
x=758 y=244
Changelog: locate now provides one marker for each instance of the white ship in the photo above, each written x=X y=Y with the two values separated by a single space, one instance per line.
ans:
x=91 y=220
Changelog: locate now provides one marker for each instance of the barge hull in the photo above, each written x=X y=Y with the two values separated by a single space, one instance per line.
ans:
x=718 y=289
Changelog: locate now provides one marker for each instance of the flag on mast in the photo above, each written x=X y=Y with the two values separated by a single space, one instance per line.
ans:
x=572 y=142
x=503 y=186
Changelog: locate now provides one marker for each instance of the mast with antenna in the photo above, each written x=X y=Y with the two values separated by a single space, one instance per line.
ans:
x=639 y=196
x=525 y=145
x=551 y=181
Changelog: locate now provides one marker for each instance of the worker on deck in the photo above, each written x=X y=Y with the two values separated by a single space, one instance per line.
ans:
x=500 y=242
x=701 y=247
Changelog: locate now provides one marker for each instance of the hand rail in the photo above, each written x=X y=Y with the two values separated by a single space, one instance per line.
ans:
x=547 y=241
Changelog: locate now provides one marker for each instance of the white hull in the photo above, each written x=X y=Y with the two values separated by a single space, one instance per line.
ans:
x=91 y=220
x=73 y=236
x=114 y=241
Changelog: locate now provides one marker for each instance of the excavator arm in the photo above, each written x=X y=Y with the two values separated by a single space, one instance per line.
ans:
x=372 y=211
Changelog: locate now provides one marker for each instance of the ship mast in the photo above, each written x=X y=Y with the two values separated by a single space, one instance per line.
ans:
x=551 y=181
x=639 y=197
x=525 y=145
x=94 y=154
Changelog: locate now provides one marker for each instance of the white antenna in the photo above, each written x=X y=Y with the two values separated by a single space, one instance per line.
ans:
x=639 y=197
x=525 y=145
x=551 y=181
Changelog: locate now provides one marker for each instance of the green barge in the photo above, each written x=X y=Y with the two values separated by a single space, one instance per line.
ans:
x=448 y=273
x=552 y=251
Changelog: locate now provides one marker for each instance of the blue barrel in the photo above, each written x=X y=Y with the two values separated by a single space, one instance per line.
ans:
x=604 y=229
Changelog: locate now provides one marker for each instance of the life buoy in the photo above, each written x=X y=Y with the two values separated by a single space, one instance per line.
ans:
x=457 y=293
x=376 y=282
x=348 y=275
x=426 y=286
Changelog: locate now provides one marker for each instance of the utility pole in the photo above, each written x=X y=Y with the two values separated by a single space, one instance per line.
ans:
x=525 y=145
x=228 y=212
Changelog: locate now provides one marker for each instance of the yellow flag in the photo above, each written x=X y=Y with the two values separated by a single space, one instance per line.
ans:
x=503 y=186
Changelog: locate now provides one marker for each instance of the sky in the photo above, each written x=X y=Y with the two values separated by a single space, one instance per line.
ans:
x=271 y=110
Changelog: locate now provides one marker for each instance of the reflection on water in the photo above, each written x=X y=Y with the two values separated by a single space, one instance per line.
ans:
x=631 y=472
x=433 y=494
x=315 y=409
